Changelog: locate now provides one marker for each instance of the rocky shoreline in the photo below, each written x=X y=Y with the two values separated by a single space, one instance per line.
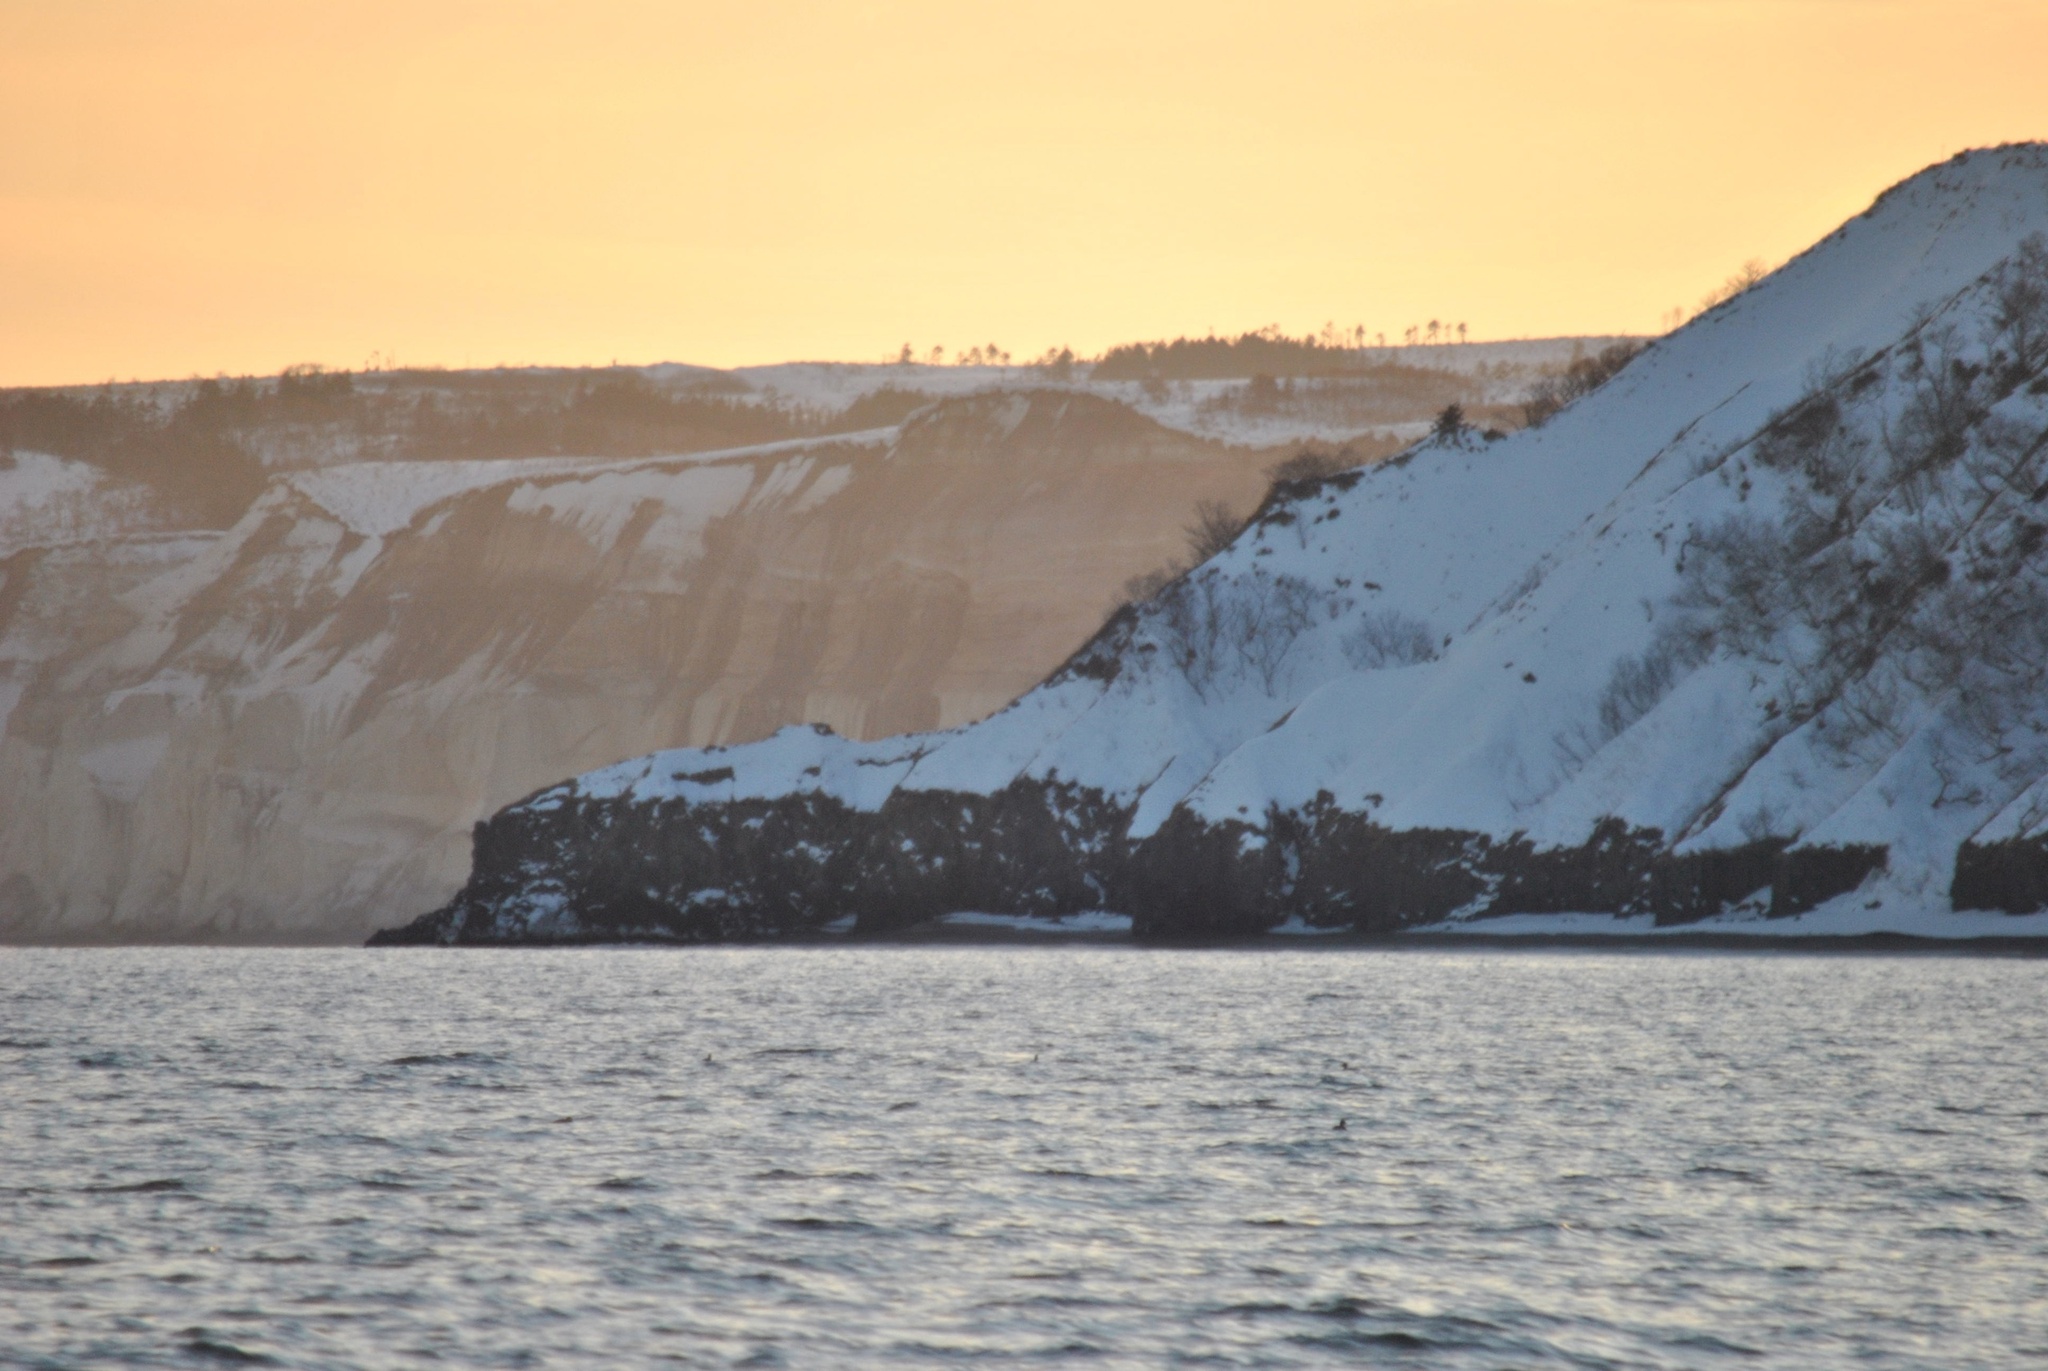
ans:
x=575 y=869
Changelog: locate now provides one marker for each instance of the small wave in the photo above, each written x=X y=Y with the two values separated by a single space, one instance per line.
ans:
x=65 y=1263
x=1366 y=1322
x=24 y=1044
x=1394 y=1338
x=158 y=1187
x=1051 y=1302
x=1948 y=1194
x=1342 y=1307
x=1441 y=1334
x=1347 y=1083
x=1061 y=1173
x=1707 y=1342
x=437 y=1059
x=625 y=1183
x=199 y=1345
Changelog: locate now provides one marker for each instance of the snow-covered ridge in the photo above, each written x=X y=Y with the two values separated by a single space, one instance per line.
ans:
x=1533 y=643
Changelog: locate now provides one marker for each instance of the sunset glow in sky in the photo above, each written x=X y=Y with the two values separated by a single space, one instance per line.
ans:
x=191 y=187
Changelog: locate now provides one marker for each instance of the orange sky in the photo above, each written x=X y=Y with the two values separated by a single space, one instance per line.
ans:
x=193 y=187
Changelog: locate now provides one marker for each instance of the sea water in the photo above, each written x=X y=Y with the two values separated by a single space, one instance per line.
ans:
x=901 y=1157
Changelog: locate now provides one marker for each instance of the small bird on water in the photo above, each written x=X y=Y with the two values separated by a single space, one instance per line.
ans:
x=1339 y=1127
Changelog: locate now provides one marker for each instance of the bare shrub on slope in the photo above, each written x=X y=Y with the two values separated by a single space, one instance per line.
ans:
x=1386 y=638
x=1139 y=589
x=1315 y=464
x=1748 y=275
x=2018 y=327
x=1582 y=377
x=1215 y=528
x=1211 y=624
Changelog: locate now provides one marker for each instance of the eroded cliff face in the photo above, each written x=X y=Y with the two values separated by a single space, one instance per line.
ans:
x=285 y=729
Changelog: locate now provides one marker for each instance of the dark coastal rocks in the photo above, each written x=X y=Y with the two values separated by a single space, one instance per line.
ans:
x=2010 y=876
x=567 y=869
x=604 y=870
x=1336 y=868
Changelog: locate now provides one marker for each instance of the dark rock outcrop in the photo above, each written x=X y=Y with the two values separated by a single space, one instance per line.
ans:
x=569 y=869
x=2009 y=875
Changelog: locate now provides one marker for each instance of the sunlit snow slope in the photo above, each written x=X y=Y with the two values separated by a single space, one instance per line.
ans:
x=1754 y=628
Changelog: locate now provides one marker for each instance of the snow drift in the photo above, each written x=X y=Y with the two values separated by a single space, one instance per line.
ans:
x=1759 y=628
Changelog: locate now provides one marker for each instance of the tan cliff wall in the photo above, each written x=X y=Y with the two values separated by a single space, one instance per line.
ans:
x=285 y=730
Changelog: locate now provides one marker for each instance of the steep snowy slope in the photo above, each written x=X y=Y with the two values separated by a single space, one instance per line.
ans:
x=285 y=729
x=1759 y=624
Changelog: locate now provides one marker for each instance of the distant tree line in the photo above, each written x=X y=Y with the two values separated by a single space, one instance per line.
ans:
x=1265 y=352
x=1262 y=352
x=191 y=451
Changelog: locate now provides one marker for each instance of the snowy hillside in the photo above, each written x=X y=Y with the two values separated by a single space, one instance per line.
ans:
x=1759 y=628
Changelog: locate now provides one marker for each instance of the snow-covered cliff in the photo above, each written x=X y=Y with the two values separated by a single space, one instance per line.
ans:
x=1759 y=628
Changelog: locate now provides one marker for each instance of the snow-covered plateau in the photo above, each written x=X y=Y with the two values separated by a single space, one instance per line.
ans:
x=1756 y=634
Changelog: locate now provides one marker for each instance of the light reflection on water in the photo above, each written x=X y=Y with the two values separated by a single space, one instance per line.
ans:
x=903 y=1156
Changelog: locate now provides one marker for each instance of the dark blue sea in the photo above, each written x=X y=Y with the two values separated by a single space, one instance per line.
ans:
x=994 y=1157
